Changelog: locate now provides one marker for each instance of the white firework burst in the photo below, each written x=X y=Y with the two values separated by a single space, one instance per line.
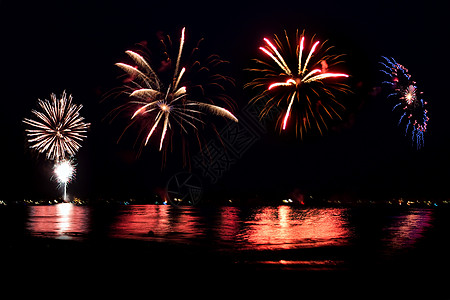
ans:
x=58 y=128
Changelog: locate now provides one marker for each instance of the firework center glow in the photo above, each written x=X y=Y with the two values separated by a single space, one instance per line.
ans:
x=164 y=107
x=64 y=171
x=410 y=94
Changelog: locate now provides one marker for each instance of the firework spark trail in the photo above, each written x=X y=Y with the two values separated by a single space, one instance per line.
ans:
x=58 y=129
x=404 y=90
x=309 y=87
x=165 y=105
x=288 y=112
x=179 y=52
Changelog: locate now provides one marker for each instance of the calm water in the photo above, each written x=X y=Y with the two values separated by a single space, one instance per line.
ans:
x=283 y=237
x=262 y=228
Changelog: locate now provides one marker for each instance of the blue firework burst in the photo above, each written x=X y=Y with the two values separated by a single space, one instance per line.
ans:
x=411 y=107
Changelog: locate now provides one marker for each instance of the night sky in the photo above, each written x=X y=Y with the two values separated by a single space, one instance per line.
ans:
x=50 y=46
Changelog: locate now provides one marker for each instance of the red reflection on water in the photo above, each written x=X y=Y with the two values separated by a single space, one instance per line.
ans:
x=156 y=221
x=286 y=228
x=228 y=227
x=61 y=221
x=281 y=227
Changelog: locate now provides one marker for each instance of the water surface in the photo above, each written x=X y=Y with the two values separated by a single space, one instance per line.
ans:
x=284 y=236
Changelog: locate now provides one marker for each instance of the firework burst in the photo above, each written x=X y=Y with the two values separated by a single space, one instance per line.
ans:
x=298 y=81
x=58 y=128
x=412 y=108
x=64 y=171
x=160 y=105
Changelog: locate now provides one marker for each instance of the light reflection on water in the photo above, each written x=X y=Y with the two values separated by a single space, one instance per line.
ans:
x=280 y=227
x=260 y=228
x=285 y=227
x=406 y=229
x=153 y=221
x=61 y=221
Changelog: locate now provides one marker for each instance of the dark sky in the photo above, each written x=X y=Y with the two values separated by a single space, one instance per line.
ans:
x=50 y=46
